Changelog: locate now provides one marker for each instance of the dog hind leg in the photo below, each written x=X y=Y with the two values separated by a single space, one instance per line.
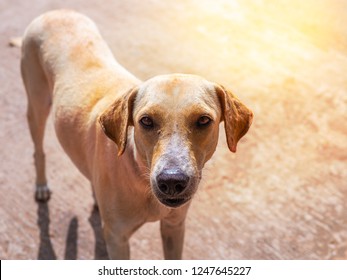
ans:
x=39 y=104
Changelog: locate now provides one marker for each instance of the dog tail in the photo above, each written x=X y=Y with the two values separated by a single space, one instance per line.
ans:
x=16 y=42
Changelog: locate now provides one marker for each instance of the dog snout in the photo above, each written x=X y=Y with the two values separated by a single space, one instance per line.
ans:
x=172 y=182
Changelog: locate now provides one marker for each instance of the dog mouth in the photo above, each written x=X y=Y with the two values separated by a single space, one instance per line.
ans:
x=173 y=202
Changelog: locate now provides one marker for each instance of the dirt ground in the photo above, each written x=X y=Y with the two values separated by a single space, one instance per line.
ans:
x=283 y=195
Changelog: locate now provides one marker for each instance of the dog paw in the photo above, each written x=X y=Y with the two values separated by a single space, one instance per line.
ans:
x=42 y=193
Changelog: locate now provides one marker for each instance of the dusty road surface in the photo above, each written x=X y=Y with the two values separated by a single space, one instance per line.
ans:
x=283 y=195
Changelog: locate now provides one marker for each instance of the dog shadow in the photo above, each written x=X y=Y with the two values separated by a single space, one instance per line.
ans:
x=46 y=250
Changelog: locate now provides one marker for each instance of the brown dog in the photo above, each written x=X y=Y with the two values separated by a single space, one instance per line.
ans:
x=165 y=129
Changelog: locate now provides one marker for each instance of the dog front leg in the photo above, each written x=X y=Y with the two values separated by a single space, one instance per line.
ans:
x=172 y=236
x=172 y=233
x=117 y=244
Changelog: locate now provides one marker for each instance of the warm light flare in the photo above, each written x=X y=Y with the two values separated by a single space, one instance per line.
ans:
x=258 y=38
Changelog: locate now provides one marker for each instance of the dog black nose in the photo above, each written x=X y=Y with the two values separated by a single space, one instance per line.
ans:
x=172 y=182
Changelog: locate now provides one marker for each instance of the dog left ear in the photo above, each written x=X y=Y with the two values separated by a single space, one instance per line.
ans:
x=237 y=117
x=116 y=118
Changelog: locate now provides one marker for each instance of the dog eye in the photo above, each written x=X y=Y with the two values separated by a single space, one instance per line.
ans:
x=146 y=122
x=203 y=121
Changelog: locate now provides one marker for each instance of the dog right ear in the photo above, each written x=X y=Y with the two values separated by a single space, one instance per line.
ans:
x=116 y=118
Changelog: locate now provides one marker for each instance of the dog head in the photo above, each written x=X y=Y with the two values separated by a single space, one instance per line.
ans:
x=176 y=124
